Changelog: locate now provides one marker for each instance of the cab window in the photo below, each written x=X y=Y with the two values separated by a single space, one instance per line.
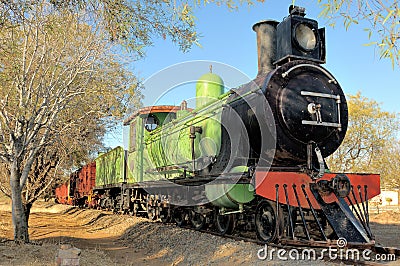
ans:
x=151 y=123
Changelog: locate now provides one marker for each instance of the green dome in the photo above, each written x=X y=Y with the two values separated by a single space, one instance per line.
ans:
x=208 y=88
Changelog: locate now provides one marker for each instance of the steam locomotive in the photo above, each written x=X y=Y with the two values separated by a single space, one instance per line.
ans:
x=250 y=159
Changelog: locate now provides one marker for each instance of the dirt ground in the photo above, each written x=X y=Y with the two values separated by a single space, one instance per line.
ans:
x=386 y=228
x=96 y=233
x=108 y=239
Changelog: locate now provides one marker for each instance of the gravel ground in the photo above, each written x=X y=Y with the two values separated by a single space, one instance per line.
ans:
x=108 y=239
x=172 y=245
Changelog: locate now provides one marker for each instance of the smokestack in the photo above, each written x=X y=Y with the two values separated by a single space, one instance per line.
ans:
x=266 y=45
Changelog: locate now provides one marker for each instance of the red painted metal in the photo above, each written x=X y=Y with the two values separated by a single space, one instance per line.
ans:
x=86 y=180
x=82 y=182
x=266 y=187
x=62 y=193
x=77 y=190
x=152 y=109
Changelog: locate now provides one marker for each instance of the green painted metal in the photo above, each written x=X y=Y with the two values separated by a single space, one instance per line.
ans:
x=182 y=113
x=139 y=162
x=239 y=169
x=169 y=146
x=110 y=167
x=146 y=156
x=208 y=88
x=132 y=167
x=134 y=164
x=229 y=195
x=149 y=154
x=167 y=149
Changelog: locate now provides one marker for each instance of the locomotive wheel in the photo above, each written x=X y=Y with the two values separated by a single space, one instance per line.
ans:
x=224 y=223
x=266 y=221
x=198 y=220
x=179 y=216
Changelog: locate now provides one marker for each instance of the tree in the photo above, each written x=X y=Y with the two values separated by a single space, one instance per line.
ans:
x=57 y=71
x=135 y=23
x=130 y=23
x=383 y=17
x=69 y=150
x=370 y=141
x=388 y=165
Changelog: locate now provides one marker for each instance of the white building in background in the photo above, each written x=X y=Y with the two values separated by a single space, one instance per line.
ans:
x=387 y=198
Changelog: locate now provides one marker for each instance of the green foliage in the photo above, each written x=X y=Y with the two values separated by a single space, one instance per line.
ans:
x=383 y=16
x=387 y=163
x=131 y=24
x=134 y=23
x=371 y=144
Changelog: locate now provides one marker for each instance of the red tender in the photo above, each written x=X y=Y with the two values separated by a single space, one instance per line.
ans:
x=62 y=193
x=86 y=180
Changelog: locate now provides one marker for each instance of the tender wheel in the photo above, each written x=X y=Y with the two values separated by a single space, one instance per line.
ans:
x=151 y=209
x=151 y=213
x=165 y=215
x=266 y=221
x=134 y=211
x=179 y=216
x=224 y=223
x=198 y=220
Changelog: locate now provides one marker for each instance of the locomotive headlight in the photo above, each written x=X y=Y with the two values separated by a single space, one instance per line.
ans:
x=298 y=37
x=305 y=36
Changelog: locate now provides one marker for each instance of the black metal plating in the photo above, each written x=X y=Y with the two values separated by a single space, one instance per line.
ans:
x=342 y=219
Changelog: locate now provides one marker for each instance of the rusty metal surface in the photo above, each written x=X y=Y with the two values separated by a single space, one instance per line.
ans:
x=152 y=109
x=61 y=193
x=86 y=179
x=266 y=45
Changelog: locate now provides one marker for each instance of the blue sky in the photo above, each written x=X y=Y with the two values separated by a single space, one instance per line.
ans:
x=227 y=37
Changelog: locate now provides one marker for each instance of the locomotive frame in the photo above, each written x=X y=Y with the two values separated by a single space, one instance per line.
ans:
x=266 y=174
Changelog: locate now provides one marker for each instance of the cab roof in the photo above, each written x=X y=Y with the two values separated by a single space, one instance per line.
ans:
x=152 y=109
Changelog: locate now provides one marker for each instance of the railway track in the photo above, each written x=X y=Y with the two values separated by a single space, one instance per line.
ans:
x=338 y=254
